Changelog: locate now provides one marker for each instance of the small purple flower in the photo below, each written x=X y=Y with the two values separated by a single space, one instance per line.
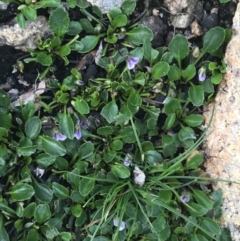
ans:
x=131 y=62
x=127 y=160
x=78 y=133
x=116 y=224
x=58 y=136
x=185 y=197
x=39 y=171
x=202 y=74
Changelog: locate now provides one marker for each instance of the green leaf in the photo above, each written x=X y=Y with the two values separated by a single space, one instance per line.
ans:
x=86 y=186
x=82 y=3
x=64 y=50
x=213 y=39
x=169 y=122
x=120 y=171
x=3 y=233
x=44 y=59
x=6 y=121
x=42 y=213
x=153 y=157
x=196 y=95
x=76 y=46
x=216 y=78
x=186 y=133
x=127 y=134
x=32 y=234
x=42 y=192
x=52 y=147
x=85 y=150
x=211 y=226
x=59 y=21
x=189 y=72
x=202 y=199
x=45 y=160
x=128 y=6
x=194 y=120
x=3 y=134
x=33 y=127
x=174 y=73
x=134 y=101
x=160 y=69
x=4 y=100
x=195 y=161
x=74 y=28
x=119 y=21
x=196 y=210
x=89 y=43
x=48 y=3
x=29 y=210
x=87 y=26
x=171 y=106
x=28 y=110
x=66 y=236
x=30 y=13
x=105 y=130
x=66 y=125
x=21 y=192
x=179 y=47
x=60 y=191
x=81 y=106
x=109 y=111
x=139 y=34
x=21 y=20
x=109 y=156
x=116 y=145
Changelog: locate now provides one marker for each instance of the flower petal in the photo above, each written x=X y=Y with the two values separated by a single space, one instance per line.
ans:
x=78 y=134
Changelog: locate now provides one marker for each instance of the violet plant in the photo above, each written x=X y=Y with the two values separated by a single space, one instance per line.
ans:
x=115 y=157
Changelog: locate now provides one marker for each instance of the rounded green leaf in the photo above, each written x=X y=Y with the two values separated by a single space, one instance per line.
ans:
x=59 y=21
x=196 y=210
x=89 y=43
x=160 y=69
x=153 y=157
x=216 y=78
x=128 y=6
x=186 y=133
x=171 y=106
x=21 y=192
x=109 y=111
x=210 y=225
x=86 y=186
x=52 y=147
x=76 y=210
x=66 y=125
x=120 y=171
x=196 y=95
x=195 y=161
x=81 y=106
x=42 y=213
x=30 y=13
x=42 y=192
x=119 y=21
x=194 y=120
x=64 y=50
x=213 y=39
x=44 y=59
x=33 y=127
x=202 y=199
x=179 y=47
x=60 y=191
x=174 y=73
x=139 y=34
x=116 y=145
x=3 y=233
x=105 y=130
x=189 y=72
x=45 y=160
x=74 y=28
x=85 y=150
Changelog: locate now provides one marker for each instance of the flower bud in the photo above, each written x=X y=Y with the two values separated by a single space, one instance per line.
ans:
x=196 y=52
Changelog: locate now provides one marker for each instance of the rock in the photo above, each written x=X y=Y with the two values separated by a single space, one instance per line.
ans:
x=106 y=5
x=210 y=20
x=158 y=28
x=222 y=146
x=20 y=38
x=181 y=11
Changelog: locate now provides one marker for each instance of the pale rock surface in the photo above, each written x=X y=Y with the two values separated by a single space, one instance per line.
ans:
x=181 y=11
x=106 y=5
x=222 y=147
x=11 y=34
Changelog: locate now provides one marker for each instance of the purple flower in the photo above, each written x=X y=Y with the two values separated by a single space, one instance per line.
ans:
x=131 y=62
x=78 y=133
x=185 y=197
x=58 y=136
x=116 y=224
x=202 y=74
x=127 y=160
x=39 y=171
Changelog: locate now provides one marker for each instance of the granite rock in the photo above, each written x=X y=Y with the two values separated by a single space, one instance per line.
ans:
x=222 y=147
x=106 y=5
x=11 y=34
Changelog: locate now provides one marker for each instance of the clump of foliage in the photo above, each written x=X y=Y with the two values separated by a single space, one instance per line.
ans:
x=113 y=157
